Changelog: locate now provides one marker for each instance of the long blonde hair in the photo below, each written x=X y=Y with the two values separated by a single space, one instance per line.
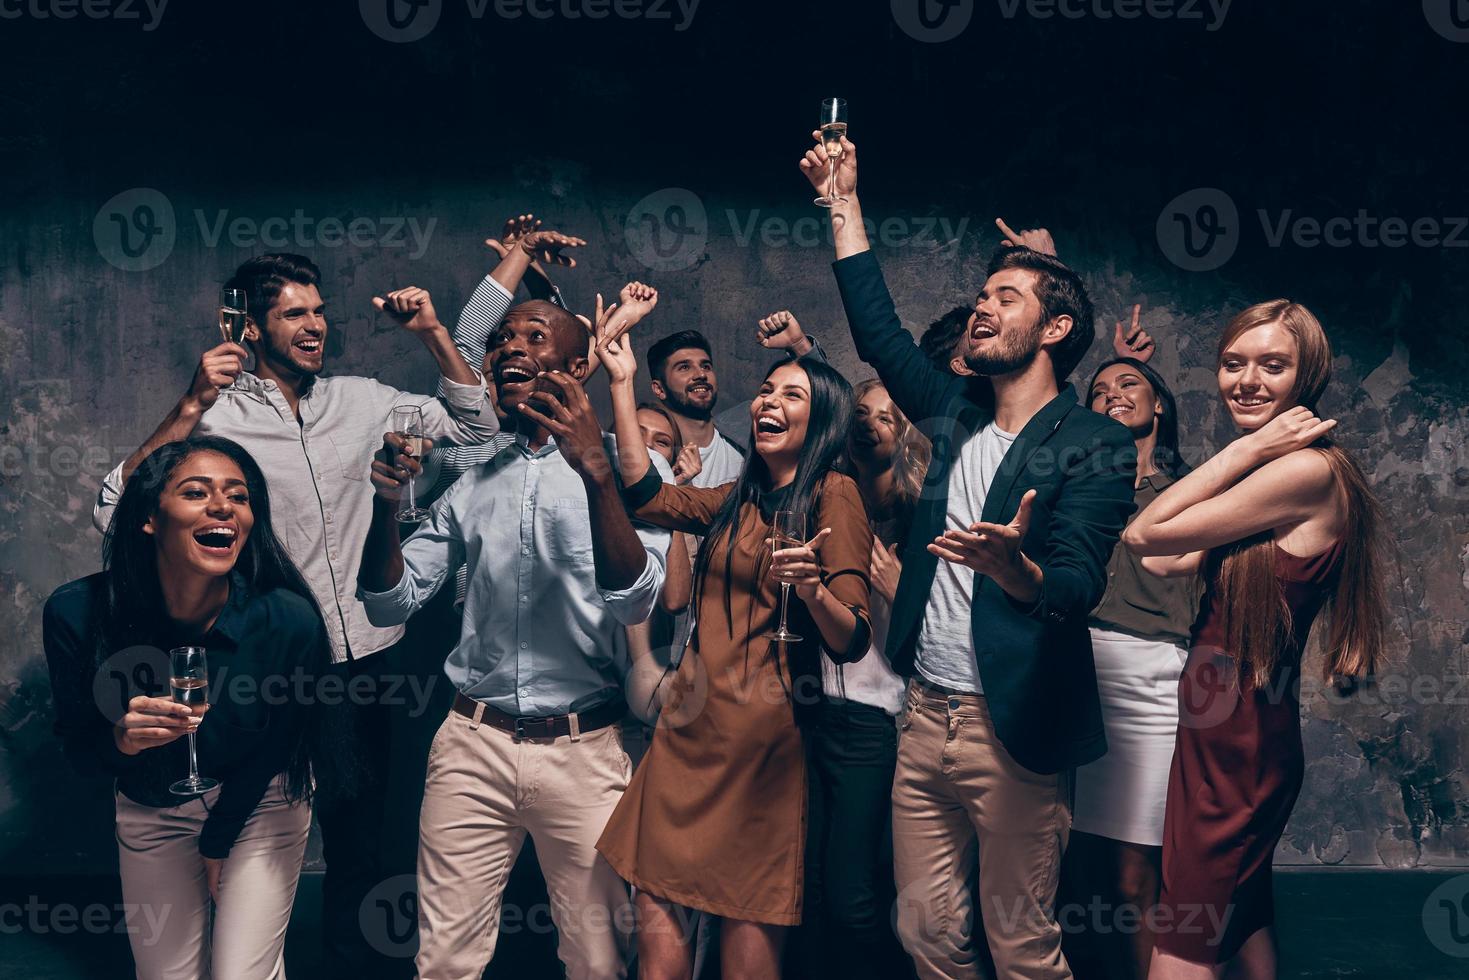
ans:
x=1257 y=619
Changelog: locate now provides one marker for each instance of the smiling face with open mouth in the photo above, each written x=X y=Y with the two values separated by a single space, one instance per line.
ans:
x=1004 y=332
x=203 y=518
x=874 y=437
x=293 y=338
x=1257 y=375
x=534 y=337
x=779 y=414
x=1122 y=393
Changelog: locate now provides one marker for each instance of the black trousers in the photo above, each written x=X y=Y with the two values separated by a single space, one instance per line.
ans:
x=847 y=927
x=398 y=697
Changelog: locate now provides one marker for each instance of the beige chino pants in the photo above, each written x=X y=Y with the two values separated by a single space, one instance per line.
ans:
x=964 y=809
x=484 y=793
x=166 y=895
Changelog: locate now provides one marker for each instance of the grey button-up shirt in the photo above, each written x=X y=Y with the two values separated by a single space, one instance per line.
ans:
x=319 y=475
x=539 y=634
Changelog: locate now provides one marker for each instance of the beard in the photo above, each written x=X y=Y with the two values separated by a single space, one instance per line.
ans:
x=1013 y=354
x=680 y=405
x=284 y=357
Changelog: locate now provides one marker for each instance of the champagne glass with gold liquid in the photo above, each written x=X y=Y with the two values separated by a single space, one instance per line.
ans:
x=833 y=128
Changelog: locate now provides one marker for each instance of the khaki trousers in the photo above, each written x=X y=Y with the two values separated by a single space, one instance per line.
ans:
x=484 y=792
x=166 y=895
x=964 y=809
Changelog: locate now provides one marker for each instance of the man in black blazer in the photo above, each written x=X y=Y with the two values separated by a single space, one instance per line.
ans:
x=1024 y=500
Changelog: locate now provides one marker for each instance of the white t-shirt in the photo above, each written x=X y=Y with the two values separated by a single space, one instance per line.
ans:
x=945 y=654
x=722 y=463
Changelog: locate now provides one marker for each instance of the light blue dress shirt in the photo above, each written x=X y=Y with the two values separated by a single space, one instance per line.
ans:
x=539 y=634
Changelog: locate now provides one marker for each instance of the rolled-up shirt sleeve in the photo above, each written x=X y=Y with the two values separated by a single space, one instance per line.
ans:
x=435 y=551
x=635 y=603
x=107 y=498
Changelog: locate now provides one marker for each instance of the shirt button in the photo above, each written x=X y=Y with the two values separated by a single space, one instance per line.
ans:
x=334 y=556
x=524 y=693
x=525 y=598
x=524 y=645
x=328 y=517
x=525 y=551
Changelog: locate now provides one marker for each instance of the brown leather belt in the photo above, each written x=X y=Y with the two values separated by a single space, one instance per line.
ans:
x=549 y=726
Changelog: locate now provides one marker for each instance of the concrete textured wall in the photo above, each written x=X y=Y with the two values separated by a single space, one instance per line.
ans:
x=94 y=349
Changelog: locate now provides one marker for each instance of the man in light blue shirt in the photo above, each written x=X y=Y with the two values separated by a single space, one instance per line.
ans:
x=533 y=744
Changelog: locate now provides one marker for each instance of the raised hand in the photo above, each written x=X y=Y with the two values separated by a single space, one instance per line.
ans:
x=1295 y=428
x=151 y=722
x=885 y=570
x=687 y=464
x=799 y=567
x=546 y=247
x=573 y=421
x=218 y=368
x=390 y=475
x=411 y=307
x=516 y=227
x=618 y=359
x=989 y=549
x=1134 y=341
x=816 y=166
x=636 y=301
x=781 y=331
x=1035 y=239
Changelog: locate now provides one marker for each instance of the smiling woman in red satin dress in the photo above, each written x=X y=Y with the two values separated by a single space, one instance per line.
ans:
x=1280 y=523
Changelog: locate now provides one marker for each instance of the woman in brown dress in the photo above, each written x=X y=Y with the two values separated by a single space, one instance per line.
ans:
x=715 y=816
x=1281 y=523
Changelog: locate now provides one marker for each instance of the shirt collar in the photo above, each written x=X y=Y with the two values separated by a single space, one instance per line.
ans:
x=230 y=623
x=522 y=443
x=260 y=389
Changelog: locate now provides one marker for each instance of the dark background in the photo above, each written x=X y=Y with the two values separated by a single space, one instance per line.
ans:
x=1092 y=127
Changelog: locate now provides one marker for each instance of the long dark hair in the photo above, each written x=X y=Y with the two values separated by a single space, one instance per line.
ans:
x=1166 y=458
x=826 y=439
x=131 y=604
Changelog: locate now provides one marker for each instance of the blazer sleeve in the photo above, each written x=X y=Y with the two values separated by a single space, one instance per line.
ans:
x=1086 y=521
x=846 y=557
x=917 y=387
x=678 y=508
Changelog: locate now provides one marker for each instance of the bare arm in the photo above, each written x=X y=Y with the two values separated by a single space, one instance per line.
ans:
x=1262 y=481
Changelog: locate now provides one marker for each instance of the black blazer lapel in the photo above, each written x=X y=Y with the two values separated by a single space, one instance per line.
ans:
x=1042 y=426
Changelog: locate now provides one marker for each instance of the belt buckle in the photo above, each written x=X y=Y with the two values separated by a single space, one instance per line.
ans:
x=533 y=728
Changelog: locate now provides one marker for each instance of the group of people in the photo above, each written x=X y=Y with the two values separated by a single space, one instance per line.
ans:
x=1021 y=630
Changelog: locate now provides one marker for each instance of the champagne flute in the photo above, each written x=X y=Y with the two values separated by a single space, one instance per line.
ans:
x=788 y=530
x=833 y=128
x=408 y=424
x=232 y=315
x=188 y=681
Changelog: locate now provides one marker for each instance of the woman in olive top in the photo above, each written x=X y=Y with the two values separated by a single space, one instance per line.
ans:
x=1139 y=634
x=191 y=560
